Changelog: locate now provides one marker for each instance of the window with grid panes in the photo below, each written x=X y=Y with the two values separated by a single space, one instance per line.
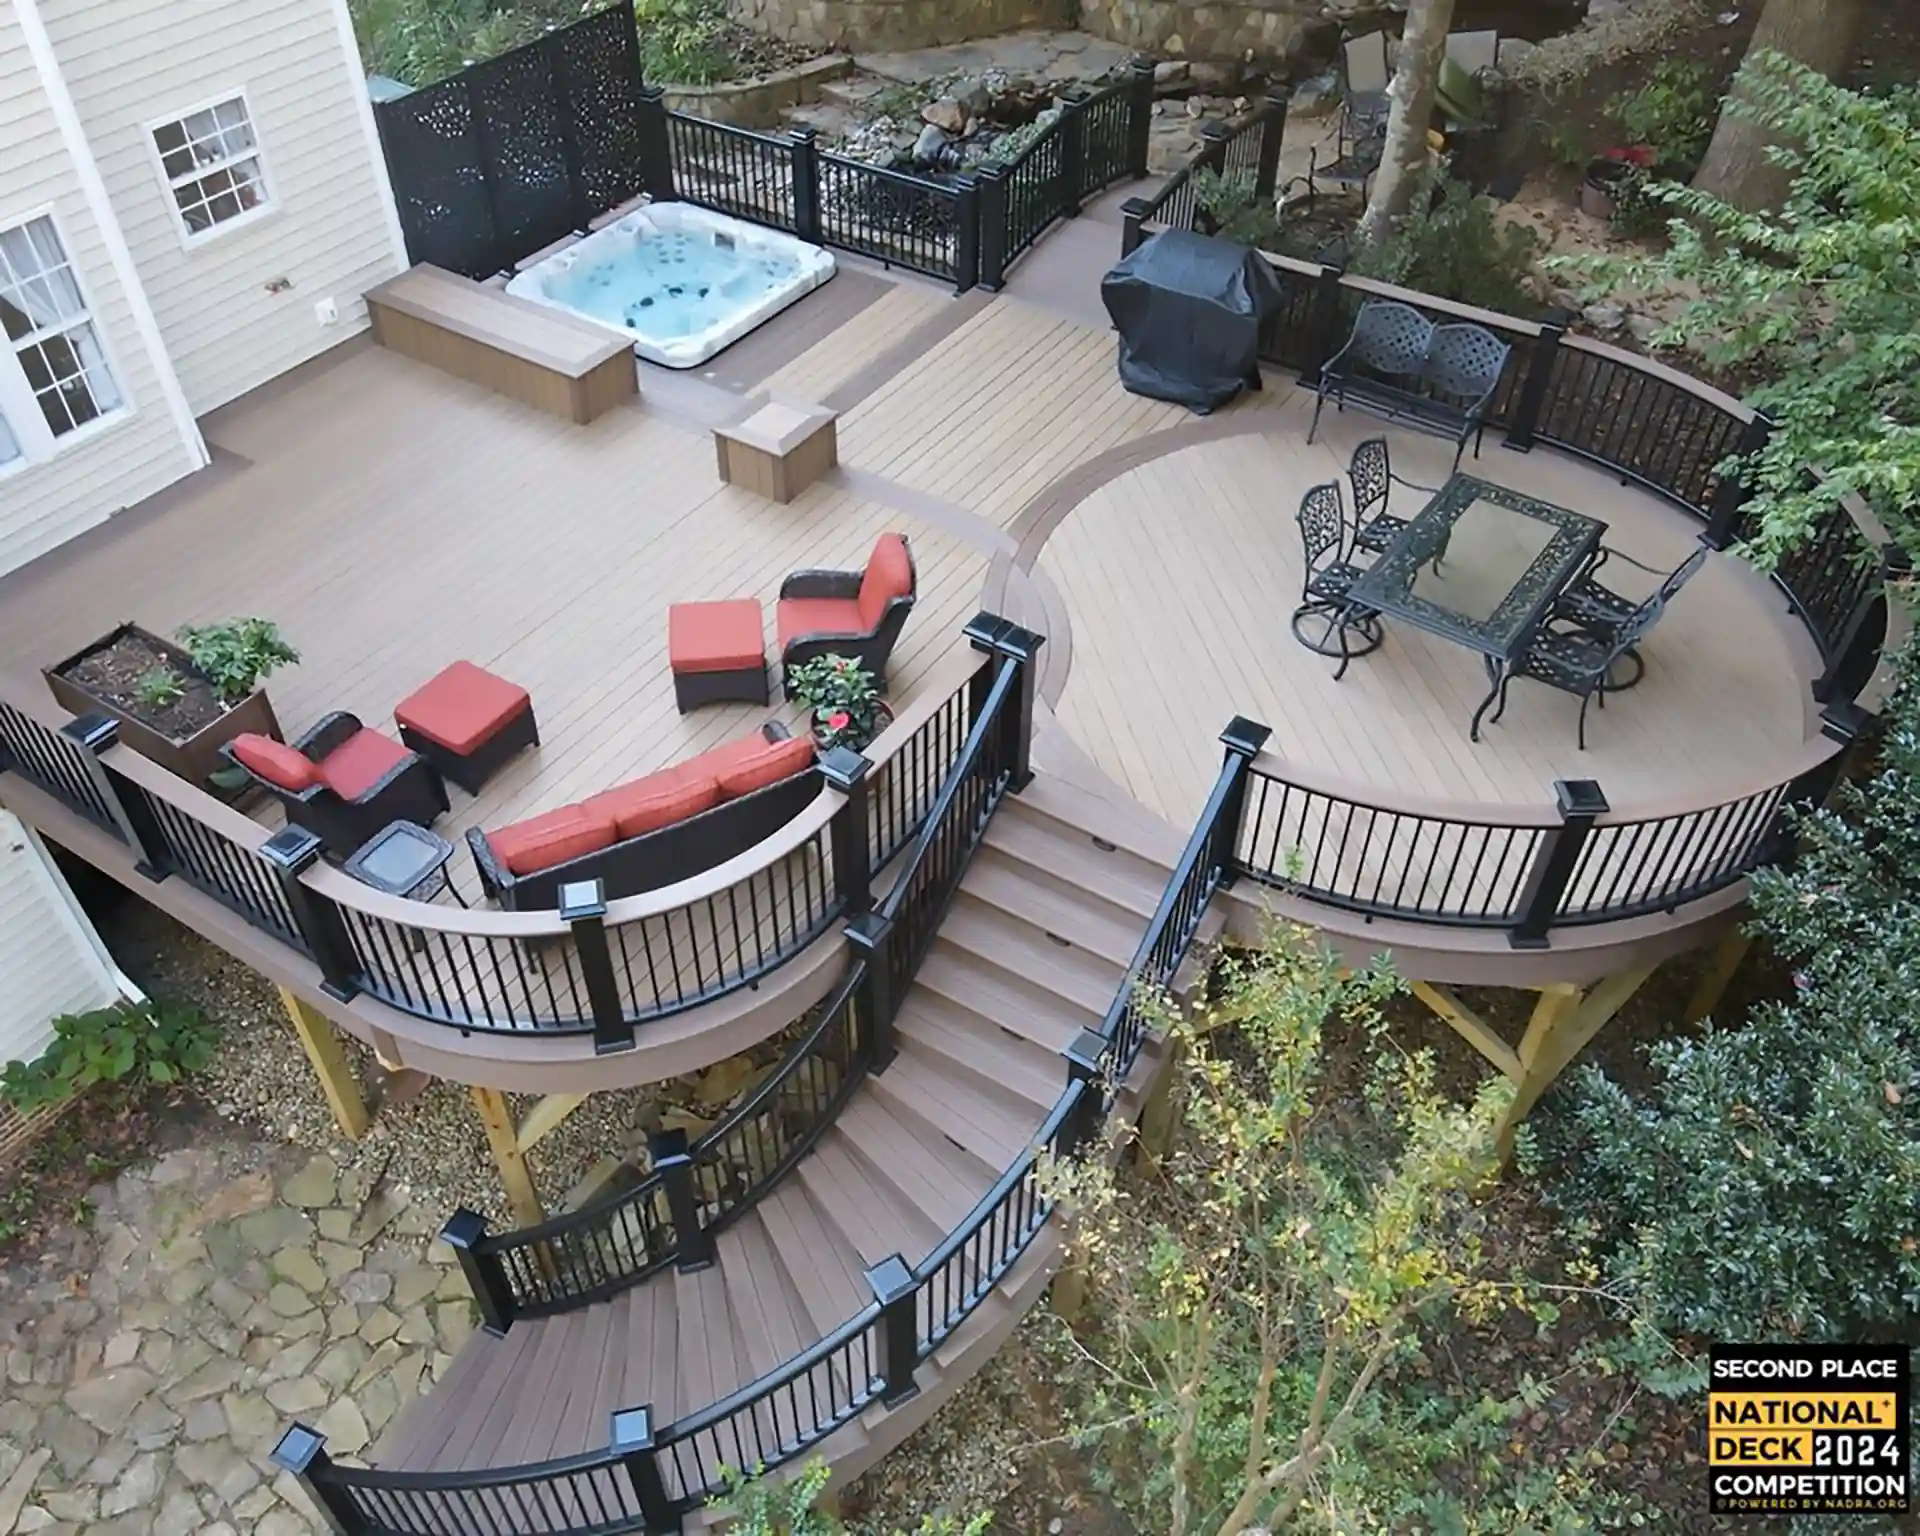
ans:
x=212 y=165
x=57 y=378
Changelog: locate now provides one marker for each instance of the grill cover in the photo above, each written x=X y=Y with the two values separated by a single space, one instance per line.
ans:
x=1189 y=308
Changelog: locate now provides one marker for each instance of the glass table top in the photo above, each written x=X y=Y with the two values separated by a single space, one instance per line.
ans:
x=399 y=858
x=1479 y=564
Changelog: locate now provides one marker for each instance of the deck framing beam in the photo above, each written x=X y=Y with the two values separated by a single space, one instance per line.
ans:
x=1722 y=966
x=546 y=1117
x=338 y=1081
x=503 y=1137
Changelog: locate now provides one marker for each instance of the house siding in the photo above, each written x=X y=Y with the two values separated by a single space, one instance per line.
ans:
x=48 y=966
x=118 y=463
x=129 y=63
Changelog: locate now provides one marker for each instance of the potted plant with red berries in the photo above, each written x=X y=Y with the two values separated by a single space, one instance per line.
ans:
x=1611 y=175
x=842 y=701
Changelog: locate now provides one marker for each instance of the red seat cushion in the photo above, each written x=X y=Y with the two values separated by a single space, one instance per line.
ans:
x=797 y=616
x=774 y=761
x=657 y=801
x=461 y=707
x=889 y=575
x=283 y=766
x=729 y=754
x=540 y=842
x=715 y=637
x=354 y=768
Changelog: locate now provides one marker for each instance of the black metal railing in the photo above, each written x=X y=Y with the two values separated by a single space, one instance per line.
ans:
x=907 y=781
x=1832 y=576
x=905 y=221
x=732 y=170
x=58 y=761
x=1248 y=146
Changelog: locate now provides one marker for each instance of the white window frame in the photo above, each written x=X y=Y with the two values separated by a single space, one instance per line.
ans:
x=28 y=423
x=191 y=239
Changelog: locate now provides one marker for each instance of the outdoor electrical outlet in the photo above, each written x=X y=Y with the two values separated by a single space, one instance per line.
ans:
x=327 y=312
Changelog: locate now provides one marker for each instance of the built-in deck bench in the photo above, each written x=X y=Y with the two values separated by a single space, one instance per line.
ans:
x=545 y=357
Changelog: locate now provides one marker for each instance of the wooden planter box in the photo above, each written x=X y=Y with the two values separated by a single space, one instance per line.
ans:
x=194 y=759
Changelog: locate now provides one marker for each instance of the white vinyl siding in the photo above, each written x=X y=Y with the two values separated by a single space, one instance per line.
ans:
x=236 y=307
x=101 y=471
x=50 y=963
x=211 y=161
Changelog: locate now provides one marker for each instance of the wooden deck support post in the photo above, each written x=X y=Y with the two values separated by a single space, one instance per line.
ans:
x=1723 y=963
x=337 y=1081
x=503 y=1137
x=1563 y=1021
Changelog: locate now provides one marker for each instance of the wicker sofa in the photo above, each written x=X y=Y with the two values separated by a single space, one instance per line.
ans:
x=655 y=830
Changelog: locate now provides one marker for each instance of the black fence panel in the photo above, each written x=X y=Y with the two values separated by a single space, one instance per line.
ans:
x=504 y=158
x=904 y=221
x=732 y=170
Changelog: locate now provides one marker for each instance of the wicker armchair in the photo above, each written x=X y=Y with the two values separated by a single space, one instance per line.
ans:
x=1327 y=619
x=848 y=613
x=341 y=781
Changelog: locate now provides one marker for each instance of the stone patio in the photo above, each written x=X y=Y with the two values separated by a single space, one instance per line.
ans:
x=214 y=1296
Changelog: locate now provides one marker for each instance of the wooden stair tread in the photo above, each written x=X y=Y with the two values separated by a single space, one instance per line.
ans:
x=709 y=1369
x=964 y=1042
x=1120 y=878
x=764 y=1307
x=875 y=1220
x=1032 y=1013
x=1130 y=826
x=578 y=1426
x=414 y=1424
x=991 y=938
x=999 y=879
x=652 y=1375
x=825 y=1271
x=915 y=1086
x=938 y=1179
x=503 y=1441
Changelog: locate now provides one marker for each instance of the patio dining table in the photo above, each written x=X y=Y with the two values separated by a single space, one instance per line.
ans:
x=1480 y=565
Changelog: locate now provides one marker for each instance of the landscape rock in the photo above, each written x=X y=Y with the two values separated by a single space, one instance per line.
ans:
x=950 y=117
x=1605 y=316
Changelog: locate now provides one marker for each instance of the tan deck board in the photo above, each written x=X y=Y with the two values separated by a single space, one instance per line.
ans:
x=824 y=367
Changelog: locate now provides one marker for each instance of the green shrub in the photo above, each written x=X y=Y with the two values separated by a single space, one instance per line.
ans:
x=237 y=654
x=1765 y=1185
x=129 y=1042
x=842 y=698
x=421 y=41
x=789 y=1507
x=683 y=41
x=158 y=687
x=1454 y=246
x=1672 y=114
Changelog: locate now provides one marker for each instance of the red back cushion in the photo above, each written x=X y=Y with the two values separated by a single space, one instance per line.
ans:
x=648 y=804
x=543 y=841
x=889 y=575
x=279 y=764
x=774 y=761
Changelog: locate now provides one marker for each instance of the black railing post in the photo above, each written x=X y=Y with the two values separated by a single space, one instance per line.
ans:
x=850 y=830
x=583 y=908
x=486 y=1276
x=966 y=233
x=93 y=734
x=1533 y=393
x=1243 y=739
x=1085 y=1056
x=1139 y=116
x=1273 y=128
x=1858 y=647
x=693 y=1243
x=991 y=186
x=1325 y=328
x=1581 y=803
x=1848 y=724
x=1002 y=637
x=303 y=1453
x=288 y=853
x=1073 y=150
x=1214 y=138
x=894 y=1289
x=656 y=145
x=1133 y=213
x=1730 y=494
x=878 y=997
x=805 y=161
x=631 y=1439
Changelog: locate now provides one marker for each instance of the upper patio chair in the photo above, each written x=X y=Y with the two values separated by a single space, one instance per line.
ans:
x=848 y=613
x=1327 y=619
x=1370 y=473
x=1597 y=610
x=1577 y=662
x=342 y=781
x=1441 y=378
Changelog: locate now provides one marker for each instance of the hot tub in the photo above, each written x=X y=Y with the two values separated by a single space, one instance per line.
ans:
x=681 y=282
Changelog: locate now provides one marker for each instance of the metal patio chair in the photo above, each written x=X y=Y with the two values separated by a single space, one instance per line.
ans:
x=1370 y=473
x=1464 y=365
x=1600 y=612
x=1326 y=543
x=1576 y=662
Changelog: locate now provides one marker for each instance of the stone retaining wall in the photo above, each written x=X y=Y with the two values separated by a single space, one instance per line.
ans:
x=758 y=103
x=1275 y=29
x=873 y=25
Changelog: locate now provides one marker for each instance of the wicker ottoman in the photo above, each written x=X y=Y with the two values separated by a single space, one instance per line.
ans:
x=717 y=653
x=467 y=723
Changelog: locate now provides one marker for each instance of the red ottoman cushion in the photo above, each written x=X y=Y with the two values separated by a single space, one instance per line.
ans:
x=715 y=637
x=461 y=707
x=353 y=769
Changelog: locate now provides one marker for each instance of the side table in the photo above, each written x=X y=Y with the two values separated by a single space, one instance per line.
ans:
x=405 y=859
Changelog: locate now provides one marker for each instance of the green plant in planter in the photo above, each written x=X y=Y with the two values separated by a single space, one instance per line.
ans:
x=159 y=687
x=1673 y=112
x=153 y=1042
x=237 y=654
x=843 y=699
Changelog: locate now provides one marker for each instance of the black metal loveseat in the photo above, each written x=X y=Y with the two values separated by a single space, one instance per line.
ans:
x=650 y=832
x=1398 y=363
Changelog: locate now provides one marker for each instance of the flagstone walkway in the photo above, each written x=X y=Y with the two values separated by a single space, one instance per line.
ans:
x=215 y=1295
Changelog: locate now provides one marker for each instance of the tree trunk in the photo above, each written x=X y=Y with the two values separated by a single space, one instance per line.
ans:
x=1423 y=46
x=1821 y=35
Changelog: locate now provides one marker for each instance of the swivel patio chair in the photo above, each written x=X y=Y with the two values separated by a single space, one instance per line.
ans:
x=848 y=613
x=1370 y=473
x=341 y=781
x=1326 y=543
x=1575 y=662
x=1597 y=610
